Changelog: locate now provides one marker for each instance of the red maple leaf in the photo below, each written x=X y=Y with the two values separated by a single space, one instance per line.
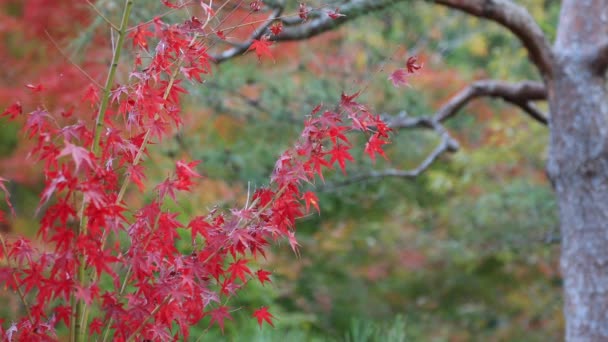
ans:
x=310 y=198
x=398 y=77
x=12 y=111
x=346 y=101
x=169 y=4
x=198 y=225
x=293 y=242
x=374 y=145
x=79 y=154
x=256 y=5
x=303 y=12
x=412 y=65
x=336 y=14
x=340 y=154
x=36 y=88
x=140 y=36
x=218 y=315
x=261 y=47
x=263 y=276
x=91 y=95
x=262 y=315
x=276 y=28
x=238 y=270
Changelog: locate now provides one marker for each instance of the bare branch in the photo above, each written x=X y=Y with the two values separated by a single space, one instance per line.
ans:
x=518 y=20
x=510 y=15
x=241 y=48
x=519 y=94
x=447 y=144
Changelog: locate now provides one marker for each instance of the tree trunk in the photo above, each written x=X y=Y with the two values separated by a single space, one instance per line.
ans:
x=578 y=167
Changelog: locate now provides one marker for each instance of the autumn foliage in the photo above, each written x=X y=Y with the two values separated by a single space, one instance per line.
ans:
x=106 y=270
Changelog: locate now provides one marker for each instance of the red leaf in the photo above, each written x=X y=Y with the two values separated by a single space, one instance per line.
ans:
x=256 y=5
x=303 y=12
x=412 y=65
x=169 y=4
x=276 y=28
x=293 y=242
x=136 y=174
x=91 y=95
x=347 y=100
x=218 y=315
x=198 y=225
x=36 y=88
x=398 y=77
x=374 y=145
x=95 y=326
x=14 y=110
x=261 y=48
x=336 y=14
x=310 y=198
x=238 y=269
x=79 y=154
x=263 y=276
x=340 y=154
x=140 y=36
x=262 y=315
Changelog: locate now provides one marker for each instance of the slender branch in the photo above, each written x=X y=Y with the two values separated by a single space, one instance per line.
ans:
x=516 y=19
x=519 y=94
x=101 y=15
x=70 y=60
x=447 y=144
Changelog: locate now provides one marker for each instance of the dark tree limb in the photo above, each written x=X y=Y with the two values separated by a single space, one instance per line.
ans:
x=599 y=58
x=516 y=19
x=506 y=13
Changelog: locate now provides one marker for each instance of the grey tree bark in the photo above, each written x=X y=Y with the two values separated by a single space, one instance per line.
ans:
x=574 y=83
x=578 y=164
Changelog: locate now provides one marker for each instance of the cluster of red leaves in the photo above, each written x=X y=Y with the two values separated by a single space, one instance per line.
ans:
x=399 y=76
x=139 y=283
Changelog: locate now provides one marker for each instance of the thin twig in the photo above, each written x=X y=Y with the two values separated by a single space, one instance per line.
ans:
x=101 y=15
x=72 y=62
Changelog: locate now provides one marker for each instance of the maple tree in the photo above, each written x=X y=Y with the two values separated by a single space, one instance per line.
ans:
x=108 y=270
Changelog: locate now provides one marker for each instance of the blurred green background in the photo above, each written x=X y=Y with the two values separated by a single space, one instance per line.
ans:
x=466 y=252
